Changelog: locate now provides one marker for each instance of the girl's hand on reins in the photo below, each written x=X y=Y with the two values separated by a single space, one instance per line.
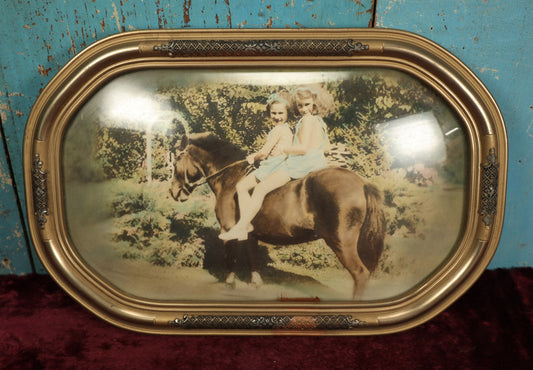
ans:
x=250 y=158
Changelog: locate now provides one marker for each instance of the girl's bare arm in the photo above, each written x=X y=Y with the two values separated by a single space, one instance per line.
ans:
x=272 y=140
x=309 y=136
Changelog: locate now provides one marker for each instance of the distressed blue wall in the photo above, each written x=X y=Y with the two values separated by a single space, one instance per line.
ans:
x=492 y=37
x=495 y=39
x=14 y=252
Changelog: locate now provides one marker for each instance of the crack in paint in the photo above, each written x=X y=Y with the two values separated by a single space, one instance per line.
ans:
x=43 y=71
x=6 y=263
x=483 y=69
x=228 y=17
x=115 y=16
x=186 y=12
x=5 y=180
x=6 y=108
x=492 y=70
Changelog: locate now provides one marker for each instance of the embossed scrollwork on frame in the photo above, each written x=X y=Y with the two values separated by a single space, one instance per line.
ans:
x=489 y=188
x=271 y=322
x=40 y=191
x=225 y=48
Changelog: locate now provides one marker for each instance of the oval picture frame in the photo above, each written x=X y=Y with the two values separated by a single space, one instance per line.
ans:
x=401 y=222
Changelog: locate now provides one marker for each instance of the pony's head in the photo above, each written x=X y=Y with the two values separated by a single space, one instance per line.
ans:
x=188 y=173
x=196 y=157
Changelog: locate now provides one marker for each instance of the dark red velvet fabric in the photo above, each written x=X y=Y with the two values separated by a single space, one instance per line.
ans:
x=489 y=327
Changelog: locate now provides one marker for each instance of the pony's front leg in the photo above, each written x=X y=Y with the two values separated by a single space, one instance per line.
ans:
x=231 y=280
x=256 y=279
x=230 y=256
x=252 y=249
x=233 y=249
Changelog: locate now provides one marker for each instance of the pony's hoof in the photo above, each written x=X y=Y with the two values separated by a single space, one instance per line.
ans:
x=231 y=280
x=256 y=280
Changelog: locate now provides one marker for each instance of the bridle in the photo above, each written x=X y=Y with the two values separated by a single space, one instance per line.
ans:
x=188 y=187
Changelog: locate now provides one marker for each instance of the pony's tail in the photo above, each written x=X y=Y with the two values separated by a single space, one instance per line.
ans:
x=371 y=239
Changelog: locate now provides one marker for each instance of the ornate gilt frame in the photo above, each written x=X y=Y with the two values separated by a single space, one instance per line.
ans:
x=200 y=50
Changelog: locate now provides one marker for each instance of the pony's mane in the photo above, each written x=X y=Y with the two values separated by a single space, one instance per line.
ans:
x=223 y=151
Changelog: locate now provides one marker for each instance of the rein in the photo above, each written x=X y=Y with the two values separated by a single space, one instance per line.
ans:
x=248 y=170
x=205 y=179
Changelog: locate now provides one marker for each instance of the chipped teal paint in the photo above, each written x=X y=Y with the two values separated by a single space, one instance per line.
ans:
x=13 y=251
x=38 y=37
x=494 y=38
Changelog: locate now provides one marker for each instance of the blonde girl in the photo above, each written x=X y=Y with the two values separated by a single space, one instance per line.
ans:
x=271 y=154
x=306 y=154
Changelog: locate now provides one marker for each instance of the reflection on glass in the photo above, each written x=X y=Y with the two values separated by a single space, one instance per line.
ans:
x=417 y=138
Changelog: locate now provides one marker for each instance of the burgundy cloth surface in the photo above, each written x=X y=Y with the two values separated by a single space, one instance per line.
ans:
x=490 y=326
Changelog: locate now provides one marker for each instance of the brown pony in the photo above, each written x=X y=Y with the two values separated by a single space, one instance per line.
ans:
x=334 y=204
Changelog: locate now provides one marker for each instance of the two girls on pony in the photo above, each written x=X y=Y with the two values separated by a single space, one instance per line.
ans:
x=283 y=161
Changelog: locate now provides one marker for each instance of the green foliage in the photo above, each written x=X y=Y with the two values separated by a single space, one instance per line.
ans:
x=402 y=213
x=121 y=154
x=119 y=151
x=129 y=202
x=79 y=151
x=138 y=229
x=160 y=163
x=232 y=112
x=149 y=228
x=313 y=256
x=366 y=100
x=192 y=255
x=402 y=204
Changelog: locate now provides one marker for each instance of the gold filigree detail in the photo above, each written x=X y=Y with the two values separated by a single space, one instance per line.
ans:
x=40 y=191
x=223 y=48
x=271 y=322
x=489 y=188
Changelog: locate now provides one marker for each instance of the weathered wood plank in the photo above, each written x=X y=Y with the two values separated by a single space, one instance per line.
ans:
x=13 y=249
x=494 y=39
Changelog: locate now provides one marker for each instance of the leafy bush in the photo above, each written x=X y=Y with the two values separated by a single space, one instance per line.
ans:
x=79 y=151
x=237 y=113
x=164 y=255
x=402 y=203
x=161 y=167
x=193 y=254
x=128 y=202
x=119 y=151
x=314 y=255
x=149 y=228
x=368 y=99
x=232 y=112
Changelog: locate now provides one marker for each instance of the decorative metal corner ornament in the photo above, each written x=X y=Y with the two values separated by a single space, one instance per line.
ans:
x=489 y=188
x=273 y=322
x=227 y=48
x=40 y=191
